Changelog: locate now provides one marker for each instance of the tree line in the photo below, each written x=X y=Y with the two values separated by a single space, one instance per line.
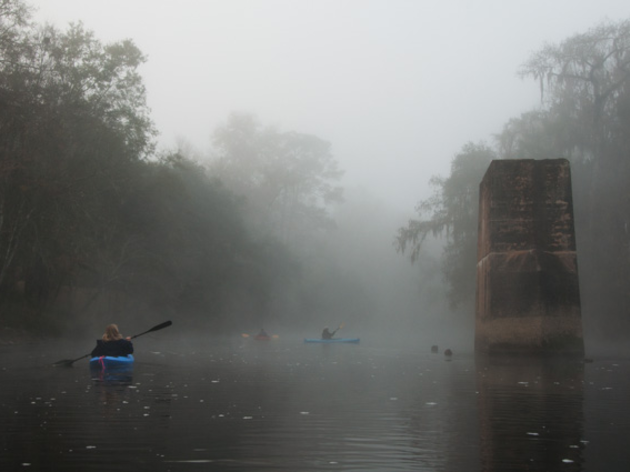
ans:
x=96 y=224
x=584 y=117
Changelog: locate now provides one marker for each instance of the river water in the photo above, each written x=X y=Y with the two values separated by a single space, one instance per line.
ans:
x=245 y=405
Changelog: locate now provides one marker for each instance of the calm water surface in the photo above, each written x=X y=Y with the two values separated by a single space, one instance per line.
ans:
x=247 y=405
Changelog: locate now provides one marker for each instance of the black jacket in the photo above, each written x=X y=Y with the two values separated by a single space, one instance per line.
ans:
x=120 y=347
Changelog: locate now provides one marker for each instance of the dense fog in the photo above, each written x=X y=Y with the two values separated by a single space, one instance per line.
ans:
x=247 y=165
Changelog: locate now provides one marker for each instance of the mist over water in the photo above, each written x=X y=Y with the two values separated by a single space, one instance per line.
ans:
x=238 y=404
x=390 y=91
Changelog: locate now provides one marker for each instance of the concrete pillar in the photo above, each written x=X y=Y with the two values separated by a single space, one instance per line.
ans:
x=528 y=296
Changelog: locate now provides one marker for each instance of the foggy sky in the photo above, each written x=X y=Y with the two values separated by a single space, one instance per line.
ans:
x=397 y=87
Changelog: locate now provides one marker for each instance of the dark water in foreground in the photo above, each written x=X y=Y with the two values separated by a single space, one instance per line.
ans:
x=284 y=405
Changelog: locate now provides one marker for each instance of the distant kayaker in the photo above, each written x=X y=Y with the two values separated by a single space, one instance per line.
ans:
x=112 y=344
x=262 y=336
x=326 y=334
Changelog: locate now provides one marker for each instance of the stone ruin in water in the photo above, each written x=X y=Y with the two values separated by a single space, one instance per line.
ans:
x=528 y=296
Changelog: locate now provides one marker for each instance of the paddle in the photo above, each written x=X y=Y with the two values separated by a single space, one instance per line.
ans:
x=330 y=335
x=69 y=362
x=340 y=326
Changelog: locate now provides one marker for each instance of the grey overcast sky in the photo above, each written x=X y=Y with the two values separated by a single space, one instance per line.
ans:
x=397 y=86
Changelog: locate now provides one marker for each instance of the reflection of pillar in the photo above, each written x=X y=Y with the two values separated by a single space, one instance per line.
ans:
x=530 y=414
x=528 y=297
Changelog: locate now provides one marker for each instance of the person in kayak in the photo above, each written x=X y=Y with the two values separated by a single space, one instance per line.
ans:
x=262 y=334
x=112 y=344
x=326 y=334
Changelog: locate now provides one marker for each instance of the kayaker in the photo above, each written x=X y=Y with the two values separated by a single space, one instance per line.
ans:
x=326 y=334
x=113 y=344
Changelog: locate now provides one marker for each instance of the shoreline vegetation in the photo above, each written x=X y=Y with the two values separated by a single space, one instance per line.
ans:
x=97 y=221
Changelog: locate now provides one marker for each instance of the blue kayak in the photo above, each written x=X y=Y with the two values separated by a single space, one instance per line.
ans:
x=333 y=340
x=109 y=362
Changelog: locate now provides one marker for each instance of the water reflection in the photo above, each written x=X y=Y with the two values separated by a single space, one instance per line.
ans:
x=293 y=407
x=113 y=376
x=530 y=414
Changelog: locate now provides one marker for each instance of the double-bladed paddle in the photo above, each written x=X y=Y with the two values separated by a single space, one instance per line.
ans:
x=69 y=362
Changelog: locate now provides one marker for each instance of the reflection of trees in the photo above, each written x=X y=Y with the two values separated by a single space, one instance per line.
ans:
x=441 y=417
x=531 y=415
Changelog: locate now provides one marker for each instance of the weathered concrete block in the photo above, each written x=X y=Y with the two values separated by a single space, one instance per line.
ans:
x=528 y=297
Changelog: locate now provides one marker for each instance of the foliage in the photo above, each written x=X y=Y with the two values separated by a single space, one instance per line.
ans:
x=72 y=120
x=91 y=220
x=585 y=81
x=587 y=73
x=452 y=212
x=287 y=178
x=193 y=251
x=585 y=117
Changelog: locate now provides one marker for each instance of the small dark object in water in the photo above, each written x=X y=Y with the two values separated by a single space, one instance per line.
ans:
x=434 y=348
x=587 y=360
x=448 y=352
